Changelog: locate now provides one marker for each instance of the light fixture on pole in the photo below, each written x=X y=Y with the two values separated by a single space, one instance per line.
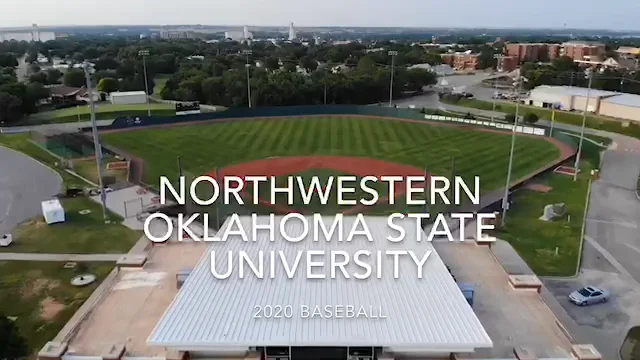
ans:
x=505 y=200
x=584 y=123
x=247 y=53
x=144 y=54
x=393 y=54
x=88 y=70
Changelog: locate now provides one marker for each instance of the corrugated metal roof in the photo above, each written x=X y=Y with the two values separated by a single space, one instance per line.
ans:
x=631 y=100
x=569 y=91
x=429 y=313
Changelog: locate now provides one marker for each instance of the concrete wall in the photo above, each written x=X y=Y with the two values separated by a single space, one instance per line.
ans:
x=619 y=111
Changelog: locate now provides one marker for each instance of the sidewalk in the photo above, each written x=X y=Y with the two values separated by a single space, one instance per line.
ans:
x=59 y=257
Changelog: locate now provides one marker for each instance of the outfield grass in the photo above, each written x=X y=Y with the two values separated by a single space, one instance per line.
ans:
x=204 y=147
x=79 y=234
x=565 y=117
x=40 y=297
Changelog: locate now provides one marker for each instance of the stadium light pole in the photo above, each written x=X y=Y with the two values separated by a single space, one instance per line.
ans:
x=96 y=140
x=505 y=199
x=393 y=54
x=247 y=53
x=584 y=122
x=144 y=54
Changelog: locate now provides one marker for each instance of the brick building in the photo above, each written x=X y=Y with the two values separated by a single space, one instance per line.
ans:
x=507 y=63
x=532 y=52
x=461 y=61
x=583 y=51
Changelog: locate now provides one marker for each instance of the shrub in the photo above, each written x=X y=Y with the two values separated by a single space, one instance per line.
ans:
x=510 y=118
x=531 y=118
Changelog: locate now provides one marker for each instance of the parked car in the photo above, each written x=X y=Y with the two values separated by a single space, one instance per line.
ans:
x=589 y=295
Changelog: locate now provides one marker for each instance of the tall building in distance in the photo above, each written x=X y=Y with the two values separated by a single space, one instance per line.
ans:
x=292 y=32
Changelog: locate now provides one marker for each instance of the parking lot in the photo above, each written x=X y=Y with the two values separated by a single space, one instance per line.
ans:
x=512 y=318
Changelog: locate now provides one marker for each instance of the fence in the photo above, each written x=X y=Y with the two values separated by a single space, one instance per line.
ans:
x=64 y=145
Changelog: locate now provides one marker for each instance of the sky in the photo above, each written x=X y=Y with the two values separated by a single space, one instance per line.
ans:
x=584 y=14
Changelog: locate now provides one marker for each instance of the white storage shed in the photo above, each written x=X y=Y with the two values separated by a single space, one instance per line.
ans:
x=129 y=97
x=52 y=211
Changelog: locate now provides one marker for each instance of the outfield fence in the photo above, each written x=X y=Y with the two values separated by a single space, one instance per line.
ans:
x=130 y=122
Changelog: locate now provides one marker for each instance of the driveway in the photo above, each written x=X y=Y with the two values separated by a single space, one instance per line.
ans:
x=24 y=184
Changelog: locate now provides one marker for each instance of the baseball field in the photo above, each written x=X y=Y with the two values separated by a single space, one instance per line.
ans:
x=348 y=144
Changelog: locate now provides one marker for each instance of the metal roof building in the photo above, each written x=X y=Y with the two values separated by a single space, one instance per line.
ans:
x=607 y=103
x=209 y=317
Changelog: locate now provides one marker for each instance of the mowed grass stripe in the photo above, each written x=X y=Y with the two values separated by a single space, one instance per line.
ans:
x=207 y=146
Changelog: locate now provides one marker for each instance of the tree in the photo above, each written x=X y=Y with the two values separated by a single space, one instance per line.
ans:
x=510 y=118
x=531 y=118
x=289 y=66
x=74 y=78
x=432 y=58
x=77 y=57
x=10 y=112
x=53 y=76
x=309 y=63
x=106 y=63
x=39 y=77
x=8 y=60
x=271 y=63
x=108 y=85
x=13 y=346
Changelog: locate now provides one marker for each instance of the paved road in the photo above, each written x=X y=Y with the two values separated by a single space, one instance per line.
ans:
x=24 y=184
x=59 y=257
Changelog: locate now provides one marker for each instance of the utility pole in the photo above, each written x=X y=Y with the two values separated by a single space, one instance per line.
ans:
x=144 y=54
x=325 y=92
x=96 y=141
x=505 y=199
x=393 y=54
x=247 y=53
x=584 y=122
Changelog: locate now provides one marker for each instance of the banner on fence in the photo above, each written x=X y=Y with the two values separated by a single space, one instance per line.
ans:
x=118 y=165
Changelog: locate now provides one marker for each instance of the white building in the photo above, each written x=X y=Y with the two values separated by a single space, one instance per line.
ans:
x=128 y=97
x=571 y=98
x=237 y=35
x=407 y=315
x=292 y=32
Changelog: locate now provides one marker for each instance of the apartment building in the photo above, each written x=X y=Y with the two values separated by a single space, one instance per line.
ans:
x=507 y=63
x=465 y=61
x=583 y=51
x=532 y=52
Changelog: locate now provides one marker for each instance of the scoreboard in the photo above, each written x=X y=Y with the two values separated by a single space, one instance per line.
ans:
x=188 y=108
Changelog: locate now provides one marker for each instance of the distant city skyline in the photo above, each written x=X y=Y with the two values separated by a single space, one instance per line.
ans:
x=619 y=15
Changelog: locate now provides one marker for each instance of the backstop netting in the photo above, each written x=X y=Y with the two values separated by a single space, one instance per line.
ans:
x=64 y=145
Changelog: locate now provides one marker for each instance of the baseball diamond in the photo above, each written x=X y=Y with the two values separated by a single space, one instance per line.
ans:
x=299 y=142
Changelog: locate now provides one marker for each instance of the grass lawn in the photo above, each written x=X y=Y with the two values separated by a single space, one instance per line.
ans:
x=565 y=117
x=630 y=349
x=104 y=111
x=536 y=240
x=87 y=169
x=159 y=84
x=207 y=146
x=79 y=234
x=40 y=296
